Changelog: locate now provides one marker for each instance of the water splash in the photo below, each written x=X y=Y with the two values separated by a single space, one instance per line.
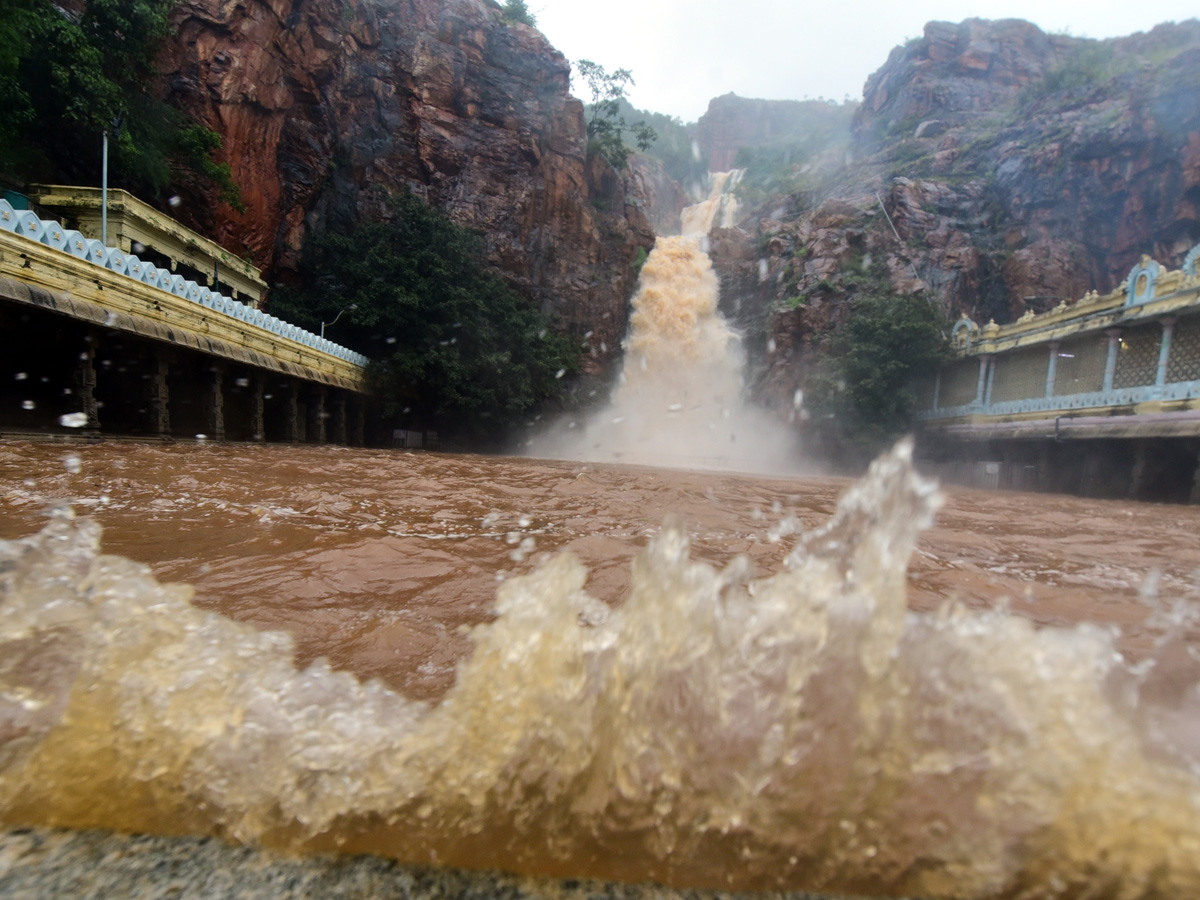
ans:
x=802 y=730
x=680 y=397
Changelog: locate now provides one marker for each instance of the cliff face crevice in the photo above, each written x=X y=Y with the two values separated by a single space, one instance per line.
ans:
x=326 y=108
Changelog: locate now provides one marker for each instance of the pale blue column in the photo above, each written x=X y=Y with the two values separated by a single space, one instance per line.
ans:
x=982 y=383
x=987 y=397
x=937 y=389
x=1052 y=368
x=1164 y=350
x=1110 y=364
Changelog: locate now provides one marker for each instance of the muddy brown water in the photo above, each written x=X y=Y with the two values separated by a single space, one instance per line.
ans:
x=377 y=560
x=854 y=720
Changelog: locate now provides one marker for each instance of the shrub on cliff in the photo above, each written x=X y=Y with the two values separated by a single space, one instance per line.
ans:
x=518 y=11
x=454 y=346
x=606 y=125
x=69 y=73
x=861 y=393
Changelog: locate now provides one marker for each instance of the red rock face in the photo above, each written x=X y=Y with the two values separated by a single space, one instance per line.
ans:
x=326 y=107
x=1017 y=170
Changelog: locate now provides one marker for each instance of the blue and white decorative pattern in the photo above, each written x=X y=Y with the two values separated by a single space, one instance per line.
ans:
x=1180 y=390
x=1139 y=286
x=27 y=224
x=1189 y=261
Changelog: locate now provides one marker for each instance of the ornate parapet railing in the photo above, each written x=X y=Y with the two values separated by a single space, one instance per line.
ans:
x=63 y=259
x=132 y=223
x=1132 y=352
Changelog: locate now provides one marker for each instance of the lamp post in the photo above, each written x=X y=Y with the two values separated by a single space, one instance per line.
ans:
x=338 y=316
x=104 y=191
x=116 y=127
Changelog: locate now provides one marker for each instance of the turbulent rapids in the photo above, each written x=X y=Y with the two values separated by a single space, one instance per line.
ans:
x=803 y=730
x=679 y=400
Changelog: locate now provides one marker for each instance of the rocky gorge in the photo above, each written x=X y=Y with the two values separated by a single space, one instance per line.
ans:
x=327 y=108
x=989 y=167
x=1017 y=170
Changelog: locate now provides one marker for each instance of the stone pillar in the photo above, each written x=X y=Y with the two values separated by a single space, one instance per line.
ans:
x=358 y=435
x=991 y=378
x=1141 y=466
x=85 y=385
x=213 y=399
x=1164 y=350
x=1195 y=497
x=315 y=432
x=984 y=367
x=158 y=415
x=291 y=413
x=258 y=419
x=1046 y=477
x=339 y=419
x=937 y=389
x=1052 y=369
x=1110 y=363
x=1091 y=480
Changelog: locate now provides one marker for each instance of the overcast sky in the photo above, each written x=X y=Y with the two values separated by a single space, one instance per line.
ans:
x=684 y=52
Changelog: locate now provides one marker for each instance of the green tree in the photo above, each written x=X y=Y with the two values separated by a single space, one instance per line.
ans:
x=454 y=345
x=69 y=74
x=863 y=384
x=606 y=126
x=518 y=11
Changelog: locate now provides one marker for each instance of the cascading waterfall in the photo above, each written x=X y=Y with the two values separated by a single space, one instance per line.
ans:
x=680 y=397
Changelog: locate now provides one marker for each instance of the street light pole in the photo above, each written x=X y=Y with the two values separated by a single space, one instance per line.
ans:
x=338 y=316
x=104 y=191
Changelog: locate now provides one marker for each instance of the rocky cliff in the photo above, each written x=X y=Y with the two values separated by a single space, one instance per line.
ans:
x=1017 y=169
x=732 y=123
x=328 y=106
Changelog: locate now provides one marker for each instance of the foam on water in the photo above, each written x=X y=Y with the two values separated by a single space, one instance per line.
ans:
x=679 y=400
x=798 y=730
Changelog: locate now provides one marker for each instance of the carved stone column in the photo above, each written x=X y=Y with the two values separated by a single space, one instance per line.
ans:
x=339 y=419
x=985 y=365
x=85 y=385
x=316 y=414
x=158 y=415
x=1164 y=350
x=1141 y=467
x=1052 y=368
x=1195 y=497
x=291 y=413
x=213 y=400
x=1110 y=362
x=358 y=435
x=258 y=419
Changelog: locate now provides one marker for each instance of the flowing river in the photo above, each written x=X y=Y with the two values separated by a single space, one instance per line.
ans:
x=737 y=699
x=572 y=668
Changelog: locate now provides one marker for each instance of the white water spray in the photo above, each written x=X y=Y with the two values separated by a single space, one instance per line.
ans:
x=680 y=400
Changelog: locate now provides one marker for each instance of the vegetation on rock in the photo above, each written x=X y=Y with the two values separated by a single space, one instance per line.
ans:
x=454 y=346
x=606 y=125
x=863 y=383
x=68 y=74
x=518 y=11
